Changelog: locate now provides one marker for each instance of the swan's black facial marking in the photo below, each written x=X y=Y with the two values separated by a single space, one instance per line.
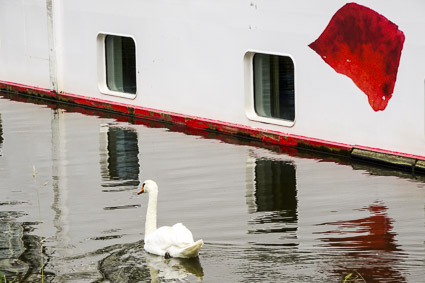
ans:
x=167 y=255
x=142 y=189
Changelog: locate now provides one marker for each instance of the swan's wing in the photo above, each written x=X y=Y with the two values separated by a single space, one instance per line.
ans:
x=181 y=235
x=159 y=241
x=154 y=244
x=168 y=239
x=184 y=246
x=189 y=251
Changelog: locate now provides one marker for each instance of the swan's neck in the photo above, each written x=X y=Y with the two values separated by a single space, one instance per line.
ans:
x=150 y=224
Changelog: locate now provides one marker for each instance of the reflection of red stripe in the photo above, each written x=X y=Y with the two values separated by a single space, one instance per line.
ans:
x=378 y=228
x=268 y=136
x=361 y=239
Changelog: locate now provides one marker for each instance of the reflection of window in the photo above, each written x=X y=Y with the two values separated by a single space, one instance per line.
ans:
x=120 y=63
x=119 y=156
x=272 y=197
x=123 y=154
x=275 y=187
x=274 y=90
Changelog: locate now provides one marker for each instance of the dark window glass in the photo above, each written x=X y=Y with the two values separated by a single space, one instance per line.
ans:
x=120 y=63
x=274 y=90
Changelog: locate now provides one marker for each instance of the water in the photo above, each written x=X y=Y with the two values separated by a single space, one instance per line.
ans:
x=265 y=214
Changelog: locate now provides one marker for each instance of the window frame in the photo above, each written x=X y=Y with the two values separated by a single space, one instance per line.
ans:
x=102 y=66
x=250 y=91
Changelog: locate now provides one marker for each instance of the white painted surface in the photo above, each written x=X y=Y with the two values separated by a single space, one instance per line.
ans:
x=24 y=46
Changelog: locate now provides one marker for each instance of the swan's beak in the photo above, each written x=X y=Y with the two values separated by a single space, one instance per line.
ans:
x=142 y=190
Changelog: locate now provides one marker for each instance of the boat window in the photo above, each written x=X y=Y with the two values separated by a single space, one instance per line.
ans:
x=274 y=93
x=120 y=64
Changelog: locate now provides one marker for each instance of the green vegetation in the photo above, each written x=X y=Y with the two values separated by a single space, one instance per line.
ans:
x=354 y=277
x=3 y=278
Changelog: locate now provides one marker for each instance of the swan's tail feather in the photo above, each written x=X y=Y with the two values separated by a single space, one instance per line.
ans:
x=192 y=250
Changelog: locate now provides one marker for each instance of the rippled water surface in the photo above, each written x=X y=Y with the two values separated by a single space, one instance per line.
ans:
x=265 y=214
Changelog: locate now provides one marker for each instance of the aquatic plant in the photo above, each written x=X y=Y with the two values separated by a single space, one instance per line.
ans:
x=34 y=176
x=3 y=278
x=353 y=276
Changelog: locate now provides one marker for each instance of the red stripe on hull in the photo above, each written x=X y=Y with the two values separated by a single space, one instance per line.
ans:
x=198 y=123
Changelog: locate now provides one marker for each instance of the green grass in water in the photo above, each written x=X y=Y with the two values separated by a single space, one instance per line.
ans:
x=353 y=277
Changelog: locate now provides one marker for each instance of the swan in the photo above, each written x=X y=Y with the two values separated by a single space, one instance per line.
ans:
x=175 y=241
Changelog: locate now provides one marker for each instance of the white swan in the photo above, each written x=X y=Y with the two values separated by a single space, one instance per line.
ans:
x=175 y=241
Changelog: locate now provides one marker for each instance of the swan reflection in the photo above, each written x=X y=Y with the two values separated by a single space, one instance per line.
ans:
x=161 y=269
x=130 y=263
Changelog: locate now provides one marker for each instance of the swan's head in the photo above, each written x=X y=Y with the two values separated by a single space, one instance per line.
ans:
x=148 y=186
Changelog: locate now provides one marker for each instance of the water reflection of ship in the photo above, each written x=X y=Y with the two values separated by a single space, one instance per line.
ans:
x=119 y=160
x=273 y=193
x=60 y=183
x=11 y=244
x=19 y=251
x=365 y=238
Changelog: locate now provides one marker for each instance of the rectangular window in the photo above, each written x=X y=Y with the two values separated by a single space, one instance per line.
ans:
x=120 y=64
x=274 y=93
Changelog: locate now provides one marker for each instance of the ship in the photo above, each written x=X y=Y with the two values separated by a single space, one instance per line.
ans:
x=344 y=78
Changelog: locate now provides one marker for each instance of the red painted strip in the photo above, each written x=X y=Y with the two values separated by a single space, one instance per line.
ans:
x=193 y=122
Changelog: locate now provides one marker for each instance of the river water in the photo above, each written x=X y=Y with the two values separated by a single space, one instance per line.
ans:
x=266 y=214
